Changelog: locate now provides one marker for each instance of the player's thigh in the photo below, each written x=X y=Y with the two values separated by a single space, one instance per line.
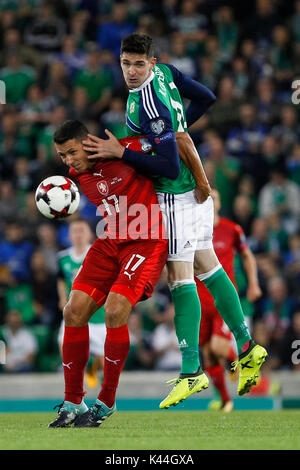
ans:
x=205 y=261
x=140 y=267
x=99 y=271
x=79 y=308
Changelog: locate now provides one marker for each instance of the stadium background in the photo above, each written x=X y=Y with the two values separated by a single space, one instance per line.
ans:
x=59 y=60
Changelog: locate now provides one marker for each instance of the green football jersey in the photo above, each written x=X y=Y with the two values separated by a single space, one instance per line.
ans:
x=69 y=265
x=159 y=96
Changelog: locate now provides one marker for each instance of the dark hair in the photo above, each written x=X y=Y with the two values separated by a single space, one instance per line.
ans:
x=68 y=130
x=138 y=44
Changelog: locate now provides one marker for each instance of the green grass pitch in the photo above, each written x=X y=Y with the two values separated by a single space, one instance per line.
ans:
x=159 y=430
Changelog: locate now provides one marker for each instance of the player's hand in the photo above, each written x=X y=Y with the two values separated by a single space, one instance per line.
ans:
x=254 y=293
x=100 y=148
x=201 y=194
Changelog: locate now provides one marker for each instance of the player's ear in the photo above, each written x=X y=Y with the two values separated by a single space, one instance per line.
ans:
x=153 y=61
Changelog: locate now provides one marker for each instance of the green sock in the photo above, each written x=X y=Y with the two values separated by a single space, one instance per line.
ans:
x=228 y=304
x=187 y=322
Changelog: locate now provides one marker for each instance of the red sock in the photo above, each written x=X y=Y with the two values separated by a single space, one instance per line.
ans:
x=218 y=379
x=75 y=353
x=116 y=350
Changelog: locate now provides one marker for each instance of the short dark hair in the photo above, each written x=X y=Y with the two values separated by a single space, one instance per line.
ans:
x=138 y=44
x=68 y=130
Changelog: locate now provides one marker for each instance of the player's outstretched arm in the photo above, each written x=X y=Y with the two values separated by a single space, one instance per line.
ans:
x=254 y=291
x=191 y=159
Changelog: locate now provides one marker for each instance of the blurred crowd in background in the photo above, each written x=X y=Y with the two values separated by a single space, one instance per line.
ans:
x=60 y=60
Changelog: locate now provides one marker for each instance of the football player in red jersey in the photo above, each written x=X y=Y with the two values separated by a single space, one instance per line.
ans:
x=120 y=269
x=215 y=337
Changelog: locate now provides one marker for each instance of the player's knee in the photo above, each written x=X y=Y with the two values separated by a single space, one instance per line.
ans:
x=73 y=314
x=113 y=314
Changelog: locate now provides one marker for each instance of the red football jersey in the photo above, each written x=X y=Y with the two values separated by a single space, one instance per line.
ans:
x=125 y=199
x=228 y=238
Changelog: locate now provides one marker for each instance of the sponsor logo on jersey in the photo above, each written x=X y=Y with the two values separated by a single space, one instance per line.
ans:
x=98 y=174
x=158 y=126
x=164 y=137
x=145 y=145
x=103 y=187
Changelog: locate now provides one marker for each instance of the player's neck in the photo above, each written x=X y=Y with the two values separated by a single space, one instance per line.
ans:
x=79 y=251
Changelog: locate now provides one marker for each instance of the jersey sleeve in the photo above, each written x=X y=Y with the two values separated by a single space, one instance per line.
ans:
x=240 y=242
x=156 y=124
x=201 y=97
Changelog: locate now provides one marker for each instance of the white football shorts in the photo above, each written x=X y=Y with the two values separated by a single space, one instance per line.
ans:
x=97 y=334
x=189 y=225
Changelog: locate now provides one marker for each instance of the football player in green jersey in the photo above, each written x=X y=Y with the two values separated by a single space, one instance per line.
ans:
x=69 y=262
x=155 y=110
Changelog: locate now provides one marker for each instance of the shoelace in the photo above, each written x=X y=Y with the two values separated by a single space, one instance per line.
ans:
x=59 y=407
x=95 y=408
x=172 y=381
x=234 y=365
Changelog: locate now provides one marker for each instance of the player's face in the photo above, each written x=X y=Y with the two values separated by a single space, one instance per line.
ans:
x=80 y=233
x=136 y=68
x=73 y=155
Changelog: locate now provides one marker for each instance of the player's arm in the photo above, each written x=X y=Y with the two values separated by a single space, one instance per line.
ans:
x=191 y=159
x=201 y=97
x=156 y=124
x=253 y=291
x=249 y=263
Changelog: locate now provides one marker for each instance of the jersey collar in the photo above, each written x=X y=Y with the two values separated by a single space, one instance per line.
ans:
x=146 y=82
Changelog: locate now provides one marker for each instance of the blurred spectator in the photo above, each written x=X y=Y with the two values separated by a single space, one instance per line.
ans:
x=245 y=140
x=243 y=212
x=20 y=343
x=17 y=77
x=190 y=25
x=8 y=202
x=165 y=344
x=179 y=57
x=43 y=283
x=288 y=130
x=71 y=56
x=278 y=309
x=226 y=173
x=281 y=196
x=111 y=33
x=97 y=82
x=140 y=355
x=281 y=57
x=48 y=246
x=267 y=105
x=227 y=31
x=241 y=77
x=262 y=23
x=224 y=113
x=12 y=44
x=58 y=83
x=46 y=30
x=114 y=118
x=15 y=255
x=293 y=164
